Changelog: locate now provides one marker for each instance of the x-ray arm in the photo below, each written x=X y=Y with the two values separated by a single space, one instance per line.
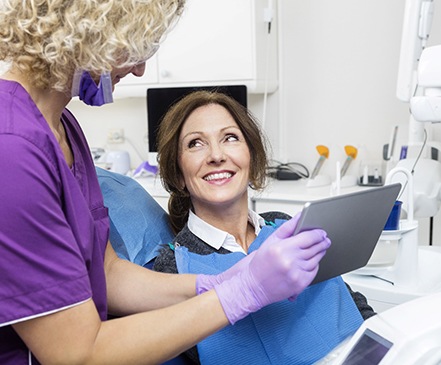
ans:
x=427 y=107
x=417 y=22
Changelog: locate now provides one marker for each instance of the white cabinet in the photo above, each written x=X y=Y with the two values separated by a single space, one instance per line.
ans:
x=216 y=42
x=286 y=196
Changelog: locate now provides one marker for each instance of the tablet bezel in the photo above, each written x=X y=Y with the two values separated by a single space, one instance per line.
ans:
x=353 y=222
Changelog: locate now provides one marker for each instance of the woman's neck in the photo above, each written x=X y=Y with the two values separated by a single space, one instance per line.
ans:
x=233 y=219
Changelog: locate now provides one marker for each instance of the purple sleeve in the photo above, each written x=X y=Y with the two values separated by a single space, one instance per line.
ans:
x=41 y=266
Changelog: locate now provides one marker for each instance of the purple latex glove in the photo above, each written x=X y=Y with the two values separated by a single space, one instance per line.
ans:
x=281 y=268
x=207 y=282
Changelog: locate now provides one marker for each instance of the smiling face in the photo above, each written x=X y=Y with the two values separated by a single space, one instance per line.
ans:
x=214 y=159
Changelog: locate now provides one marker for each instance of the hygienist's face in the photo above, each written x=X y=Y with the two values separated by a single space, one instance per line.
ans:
x=118 y=73
x=214 y=158
x=137 y=70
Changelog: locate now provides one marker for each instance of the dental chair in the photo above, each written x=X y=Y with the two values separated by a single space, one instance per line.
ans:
x=138 y=224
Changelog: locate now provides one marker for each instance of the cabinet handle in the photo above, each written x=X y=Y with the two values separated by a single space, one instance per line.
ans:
x=165 y=73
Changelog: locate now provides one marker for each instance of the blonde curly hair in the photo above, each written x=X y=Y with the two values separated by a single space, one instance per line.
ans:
x=48 y=40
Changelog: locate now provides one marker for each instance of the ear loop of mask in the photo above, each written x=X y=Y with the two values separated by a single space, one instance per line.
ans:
x=106 y=86
x=75 y=90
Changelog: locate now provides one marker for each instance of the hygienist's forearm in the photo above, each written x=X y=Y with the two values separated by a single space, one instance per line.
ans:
x=133 y=289
x=77 y=336
x=156 y=336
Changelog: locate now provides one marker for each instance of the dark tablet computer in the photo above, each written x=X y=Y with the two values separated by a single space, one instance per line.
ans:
x=353 y=222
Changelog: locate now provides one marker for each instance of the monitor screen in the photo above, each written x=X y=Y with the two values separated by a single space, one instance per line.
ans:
x=159 y=100
x=370 y=349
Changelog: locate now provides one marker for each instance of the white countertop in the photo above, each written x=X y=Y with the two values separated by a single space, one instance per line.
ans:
x=298 y=191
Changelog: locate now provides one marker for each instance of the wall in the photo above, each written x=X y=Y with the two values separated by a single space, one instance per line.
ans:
x=339 y=65
x=129 y=114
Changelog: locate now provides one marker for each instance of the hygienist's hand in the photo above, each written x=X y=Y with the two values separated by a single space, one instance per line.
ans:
x=281 y=268
x=207 y=282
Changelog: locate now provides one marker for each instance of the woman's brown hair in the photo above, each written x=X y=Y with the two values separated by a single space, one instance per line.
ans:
x=170 y=128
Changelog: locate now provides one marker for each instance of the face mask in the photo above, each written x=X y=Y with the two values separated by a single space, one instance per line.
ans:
x=90 y=93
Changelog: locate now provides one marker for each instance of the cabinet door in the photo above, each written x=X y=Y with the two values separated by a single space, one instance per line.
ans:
x=213 y=41
x=216 y=42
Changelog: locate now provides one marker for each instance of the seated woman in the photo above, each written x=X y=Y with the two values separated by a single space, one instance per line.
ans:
x=211 y=151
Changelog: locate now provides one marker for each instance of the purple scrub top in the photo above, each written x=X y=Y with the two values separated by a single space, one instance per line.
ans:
x=53 y=223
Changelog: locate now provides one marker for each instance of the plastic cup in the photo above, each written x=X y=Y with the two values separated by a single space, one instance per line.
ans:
x=393 y=222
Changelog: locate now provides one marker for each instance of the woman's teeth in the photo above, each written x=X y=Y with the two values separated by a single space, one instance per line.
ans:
x=223 y=175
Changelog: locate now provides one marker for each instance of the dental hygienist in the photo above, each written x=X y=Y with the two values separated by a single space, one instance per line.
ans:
x=59 y=275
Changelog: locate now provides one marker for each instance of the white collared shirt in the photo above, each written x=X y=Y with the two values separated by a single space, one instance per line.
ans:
x=217 y=238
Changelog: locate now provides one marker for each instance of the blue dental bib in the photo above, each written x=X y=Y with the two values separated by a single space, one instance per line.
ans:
x=299 y=332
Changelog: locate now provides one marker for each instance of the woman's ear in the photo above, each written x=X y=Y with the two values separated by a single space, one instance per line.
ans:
x=181 y=183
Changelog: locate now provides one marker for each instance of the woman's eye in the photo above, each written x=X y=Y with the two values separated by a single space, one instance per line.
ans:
x=231 y=138
x=194 y=143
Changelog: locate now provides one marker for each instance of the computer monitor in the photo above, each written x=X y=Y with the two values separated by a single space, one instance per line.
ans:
x=159 y=100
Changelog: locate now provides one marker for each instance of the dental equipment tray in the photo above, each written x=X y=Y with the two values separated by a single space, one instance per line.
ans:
x=353 y=222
